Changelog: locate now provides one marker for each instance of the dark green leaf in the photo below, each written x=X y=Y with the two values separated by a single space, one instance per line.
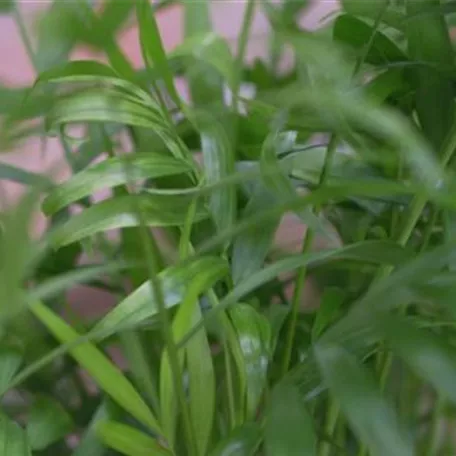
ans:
x=330 y=304
x=289 y=426
x=47 y=423
x=121 y=212
x=429 y=41
x=355 y=33
x=10 y=362
x=128 y=440
x=110 y=173
x=242 y=441
x=369 y=414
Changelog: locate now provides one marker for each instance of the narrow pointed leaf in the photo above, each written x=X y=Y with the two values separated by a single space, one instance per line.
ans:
x=121 y=212
x=369 y=414
x=128 y=440
x=108 y=376
x=110 y=173
x=198 y=358
x=152 y=48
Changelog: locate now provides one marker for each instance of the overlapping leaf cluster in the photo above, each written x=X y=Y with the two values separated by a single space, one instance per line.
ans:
x=224 y=355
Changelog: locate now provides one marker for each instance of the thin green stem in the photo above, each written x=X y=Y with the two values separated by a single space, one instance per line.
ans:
x=331 y=418
x=242 y=46
x=434 y=430
x=302 y=272
x=25 y=36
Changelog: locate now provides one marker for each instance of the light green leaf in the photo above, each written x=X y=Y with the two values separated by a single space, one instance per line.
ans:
x=105 y=105
x=128 y=440
x=140 y=305
x=121 y=212
x=47 y=423
x=212 y=50
x=112 y=173
x=218 y=156
x=289 y=426
x=254 y=334
x=10 y=362
x=369 y=414
x=199 y=363
x=427 y=353
x=13 y=440
x=108 y=376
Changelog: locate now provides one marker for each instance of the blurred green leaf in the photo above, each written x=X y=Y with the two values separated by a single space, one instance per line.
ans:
x=121 y=212
x=13 y=440
x=6 y=6
x=428 y=354
x=140 y=305
x=394 y=17
x=204 y=81
x=128 y=440
x=289 y=429
x=254 y=334
x=112 y=172
x=429 y=41
x=108 y=376
x=21 y=176
x=210 y=49
x=251 y=247
x=104 y=105
x=47 y=423
x=355 y=33
x=370 y=416
x=242 y=441
x=10 y=362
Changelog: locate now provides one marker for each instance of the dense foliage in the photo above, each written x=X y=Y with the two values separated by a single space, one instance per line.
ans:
x=224 y=353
